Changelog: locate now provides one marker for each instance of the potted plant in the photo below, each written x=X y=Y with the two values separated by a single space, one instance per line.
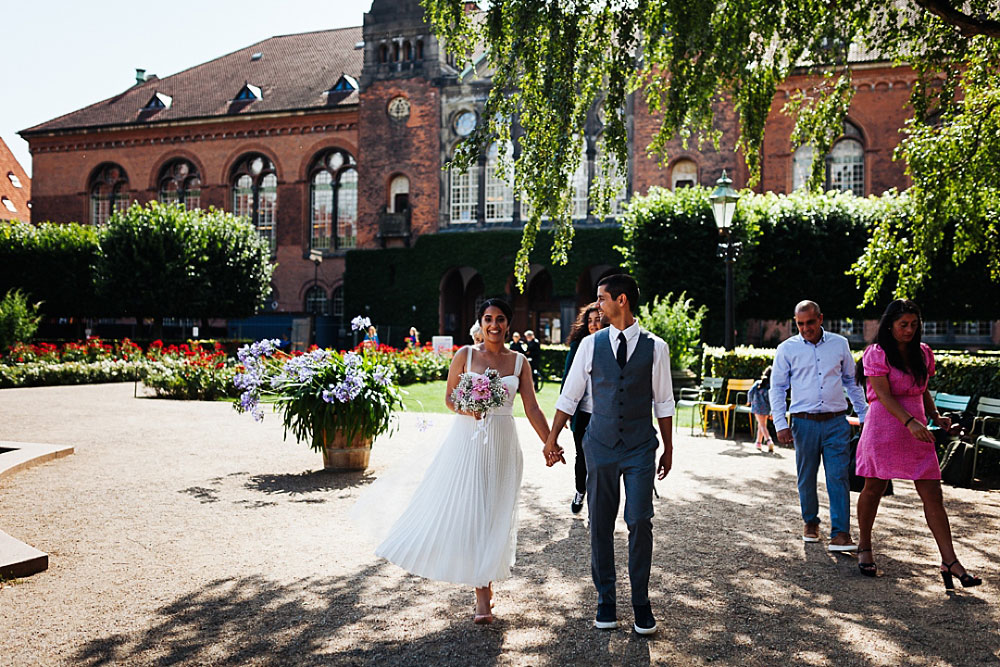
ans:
x=339 y=402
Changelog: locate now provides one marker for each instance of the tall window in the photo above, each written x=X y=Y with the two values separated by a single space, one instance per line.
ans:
x=801 y=166
x=334 y=196
x=580 y=184
x=108 y=193
x=499 y=191
x=337 y=303
x=316 y=301
x=255 y=194
x=617 y=181
x=180 y=183
x=846 y=167
x=464 y=196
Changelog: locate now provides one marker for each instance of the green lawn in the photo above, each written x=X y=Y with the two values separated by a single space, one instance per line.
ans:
x=429 y=397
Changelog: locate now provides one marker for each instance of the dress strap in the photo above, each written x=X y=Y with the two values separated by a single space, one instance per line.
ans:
x=468 y=358
x=517 y=364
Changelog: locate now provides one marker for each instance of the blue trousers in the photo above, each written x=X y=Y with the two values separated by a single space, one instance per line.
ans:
x=605 y=468
x=827 y=440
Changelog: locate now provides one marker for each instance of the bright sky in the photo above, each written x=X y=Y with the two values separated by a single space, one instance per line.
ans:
x=62 y=55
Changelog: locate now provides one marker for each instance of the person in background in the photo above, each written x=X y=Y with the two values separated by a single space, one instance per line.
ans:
x=533 y=351
x=412 y=339
x=587 y=322
x=760 y=408
x=818 y=367
x=371 y=338
x=476 y=333
x=516 y=343
x=895 y=442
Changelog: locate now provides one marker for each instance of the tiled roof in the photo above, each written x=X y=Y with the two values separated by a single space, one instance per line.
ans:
x=293 y=72
x=17 y=196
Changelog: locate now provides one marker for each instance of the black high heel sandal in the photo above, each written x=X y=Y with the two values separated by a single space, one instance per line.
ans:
x=867 y=569
x=968 y=581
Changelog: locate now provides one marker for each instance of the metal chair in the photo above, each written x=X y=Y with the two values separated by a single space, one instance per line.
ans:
x=733 y=390
x=697 y=397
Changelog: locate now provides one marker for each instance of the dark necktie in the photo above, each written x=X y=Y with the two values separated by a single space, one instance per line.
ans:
x=622 y=355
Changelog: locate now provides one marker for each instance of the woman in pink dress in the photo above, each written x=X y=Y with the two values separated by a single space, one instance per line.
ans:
x=895 y=442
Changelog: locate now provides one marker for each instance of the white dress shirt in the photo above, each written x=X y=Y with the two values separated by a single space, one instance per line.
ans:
x=578 y=378
x=818 y=374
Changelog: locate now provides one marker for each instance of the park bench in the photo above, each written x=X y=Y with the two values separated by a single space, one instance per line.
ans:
x=982 y=441
x=987 y=411
x=698 y=397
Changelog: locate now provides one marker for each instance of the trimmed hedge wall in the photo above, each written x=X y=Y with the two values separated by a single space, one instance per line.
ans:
x=402 y=285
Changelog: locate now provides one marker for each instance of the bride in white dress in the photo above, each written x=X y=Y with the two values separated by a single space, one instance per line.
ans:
x=461 y=523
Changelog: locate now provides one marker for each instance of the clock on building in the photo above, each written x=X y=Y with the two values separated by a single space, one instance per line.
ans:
x=399 y=108
x=465 y=123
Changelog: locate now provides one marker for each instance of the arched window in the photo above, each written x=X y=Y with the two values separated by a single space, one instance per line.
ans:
x=180 y=183
x=316 y=301
x=684 y=174
x=334 y=192
x=846 y=167
x=618 y=183
x=383 y=53
x=464 y=196
x=108 y=193
x=255 y=194
x=399 y=194
x=580 y=184
x=420 y=49
x=499 y=190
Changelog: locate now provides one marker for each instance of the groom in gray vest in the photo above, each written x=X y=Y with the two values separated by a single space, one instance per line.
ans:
x=629 y=373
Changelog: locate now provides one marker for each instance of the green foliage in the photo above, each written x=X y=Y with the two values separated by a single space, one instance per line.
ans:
x=418 y=365
x=553 y=61
x=974 y=376
x=162 y=260
x=678 y=323
x=53 y=263
x=18 y=319
x=742 y=363
x=399 y=285
x=71 y=372
x=182 y=380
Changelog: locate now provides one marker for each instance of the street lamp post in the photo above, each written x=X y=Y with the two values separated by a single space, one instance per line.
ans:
x=724 y=200
x=316 y=257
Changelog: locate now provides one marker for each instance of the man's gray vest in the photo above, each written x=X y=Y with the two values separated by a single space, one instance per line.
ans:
x=623 y=397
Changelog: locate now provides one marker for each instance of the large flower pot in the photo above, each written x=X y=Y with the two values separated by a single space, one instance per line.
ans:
x=340 y=454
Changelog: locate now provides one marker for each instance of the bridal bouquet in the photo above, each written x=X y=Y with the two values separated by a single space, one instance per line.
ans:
x=480 y=392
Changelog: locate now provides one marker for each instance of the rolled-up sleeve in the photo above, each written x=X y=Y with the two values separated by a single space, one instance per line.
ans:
x=854 y=391
x=780 y=381
x=575 y=383
x=663 y=386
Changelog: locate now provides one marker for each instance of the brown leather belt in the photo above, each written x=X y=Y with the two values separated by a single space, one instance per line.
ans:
x=818 y=416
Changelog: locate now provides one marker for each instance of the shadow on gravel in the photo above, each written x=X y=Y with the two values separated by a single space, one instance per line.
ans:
x=732 y=584
x=308 y=482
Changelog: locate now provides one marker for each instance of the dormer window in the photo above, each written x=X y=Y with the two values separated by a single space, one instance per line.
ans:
x=14 y=180
x=158 y=101
x=249 y=93
x=345 y=84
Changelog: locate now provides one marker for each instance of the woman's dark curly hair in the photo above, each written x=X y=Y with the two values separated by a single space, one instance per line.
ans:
x=580 y=329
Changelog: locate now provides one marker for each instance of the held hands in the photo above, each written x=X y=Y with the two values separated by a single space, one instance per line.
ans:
x=785 y=436
x=552 y=451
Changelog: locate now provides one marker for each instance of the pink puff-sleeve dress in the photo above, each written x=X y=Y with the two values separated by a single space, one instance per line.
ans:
x=887 y=449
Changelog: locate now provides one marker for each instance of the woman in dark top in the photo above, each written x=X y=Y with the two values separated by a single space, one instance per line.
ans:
x=587 y=322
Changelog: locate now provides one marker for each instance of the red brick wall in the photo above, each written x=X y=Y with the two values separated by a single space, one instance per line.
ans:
x=410 y=148
x=63 y=166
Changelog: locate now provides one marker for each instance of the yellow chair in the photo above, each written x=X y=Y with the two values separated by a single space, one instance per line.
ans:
x=733 y=390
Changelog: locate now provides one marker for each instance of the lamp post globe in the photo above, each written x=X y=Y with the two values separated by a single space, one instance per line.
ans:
x=723 y=200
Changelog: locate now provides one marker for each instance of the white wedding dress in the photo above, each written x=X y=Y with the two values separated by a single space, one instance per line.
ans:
x=461 y=523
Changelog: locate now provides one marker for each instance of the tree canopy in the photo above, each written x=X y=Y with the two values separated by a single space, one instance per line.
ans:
x=554 y=60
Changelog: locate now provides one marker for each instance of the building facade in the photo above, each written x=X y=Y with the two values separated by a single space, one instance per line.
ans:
x=335 y=141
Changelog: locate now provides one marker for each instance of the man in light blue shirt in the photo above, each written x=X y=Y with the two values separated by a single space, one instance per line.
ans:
x=817 y=366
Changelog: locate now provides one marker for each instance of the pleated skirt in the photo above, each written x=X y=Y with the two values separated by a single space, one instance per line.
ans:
x=460 y=525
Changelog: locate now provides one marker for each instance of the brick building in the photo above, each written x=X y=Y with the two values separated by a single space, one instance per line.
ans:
x=15 y=187
x=335 y=140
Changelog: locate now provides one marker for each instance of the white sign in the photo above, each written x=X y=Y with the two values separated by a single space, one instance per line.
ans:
x=194 y=332
x=442 y=345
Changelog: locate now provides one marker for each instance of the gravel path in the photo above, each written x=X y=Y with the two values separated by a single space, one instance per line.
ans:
x=183 y=533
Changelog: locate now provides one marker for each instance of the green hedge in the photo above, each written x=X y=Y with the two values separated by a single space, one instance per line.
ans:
x=71 y=372
x=402 y=285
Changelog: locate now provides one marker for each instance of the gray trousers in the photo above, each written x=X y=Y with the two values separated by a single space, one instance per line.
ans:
x=605 y=467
